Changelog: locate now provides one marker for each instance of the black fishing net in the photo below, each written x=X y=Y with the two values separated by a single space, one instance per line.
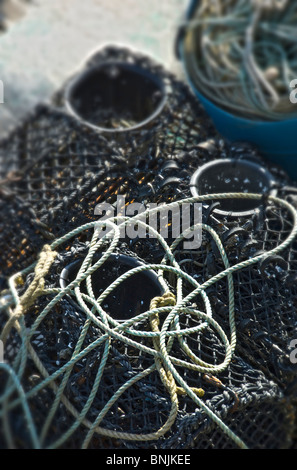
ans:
x=58 y=170
x=54 y=158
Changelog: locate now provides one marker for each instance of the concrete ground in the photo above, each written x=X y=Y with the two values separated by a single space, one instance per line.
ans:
x=46 y=40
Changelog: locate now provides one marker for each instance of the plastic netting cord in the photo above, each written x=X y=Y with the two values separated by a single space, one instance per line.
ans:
x=168 y=305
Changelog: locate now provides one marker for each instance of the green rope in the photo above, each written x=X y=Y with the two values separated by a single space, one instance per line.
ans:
x=242 y=55
x=161 y=352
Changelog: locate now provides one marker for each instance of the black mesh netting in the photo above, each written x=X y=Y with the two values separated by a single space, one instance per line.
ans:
x=54 y=172
x=54 y=158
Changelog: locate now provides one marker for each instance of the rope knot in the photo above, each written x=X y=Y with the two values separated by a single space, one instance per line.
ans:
x=34 y=290
x=167 y=299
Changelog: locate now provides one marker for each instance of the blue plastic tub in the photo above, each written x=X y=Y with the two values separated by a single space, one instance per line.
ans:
x=276 y=140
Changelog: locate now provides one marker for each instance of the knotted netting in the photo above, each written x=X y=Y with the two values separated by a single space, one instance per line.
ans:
x=201 y=358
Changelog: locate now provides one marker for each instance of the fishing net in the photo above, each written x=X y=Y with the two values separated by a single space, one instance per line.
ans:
x=54 y=158
x=77 y=374
x=112 y=384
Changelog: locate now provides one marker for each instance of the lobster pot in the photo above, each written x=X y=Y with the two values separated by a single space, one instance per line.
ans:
x=75 y=376
x=254 y=396
x=69 y=148
x=66 y=396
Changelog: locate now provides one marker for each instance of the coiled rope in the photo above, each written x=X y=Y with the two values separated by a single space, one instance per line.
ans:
x=242 y=55
x=169 y=305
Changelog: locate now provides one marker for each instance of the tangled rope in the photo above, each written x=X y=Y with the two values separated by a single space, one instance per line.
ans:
x=167 y=378
x=35 y=289
x=168 y=305
x=242 y=55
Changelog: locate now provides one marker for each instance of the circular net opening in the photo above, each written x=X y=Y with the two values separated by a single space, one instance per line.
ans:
x=131 y=297
x=232 y=176
x=116 y=96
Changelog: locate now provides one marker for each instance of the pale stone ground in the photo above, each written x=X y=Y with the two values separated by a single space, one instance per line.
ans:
x=48 y=39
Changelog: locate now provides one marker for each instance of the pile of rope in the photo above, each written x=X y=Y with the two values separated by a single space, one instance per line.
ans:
x=242 y=55
x=160 y=324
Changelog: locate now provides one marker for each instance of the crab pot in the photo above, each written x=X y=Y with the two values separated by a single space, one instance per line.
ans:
x=116 y=97
x=58 y=152
x=61 y=174
x=232 y=176
x=130 y=298
x=246 y=398
x=258 y=386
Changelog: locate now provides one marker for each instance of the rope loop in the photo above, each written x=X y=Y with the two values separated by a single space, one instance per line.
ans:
x=159 y=338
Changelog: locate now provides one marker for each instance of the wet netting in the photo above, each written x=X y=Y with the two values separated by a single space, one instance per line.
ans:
x=114 y=341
